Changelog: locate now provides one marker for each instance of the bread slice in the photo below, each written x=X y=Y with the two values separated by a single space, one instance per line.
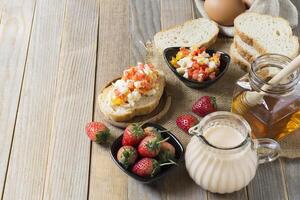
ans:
x=245 y=50
x=201 y=32
x=267 y=34
x=238 y=59
x=122 y=113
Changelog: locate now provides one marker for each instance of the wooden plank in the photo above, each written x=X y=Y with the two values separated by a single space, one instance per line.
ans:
x=69 y=149
x=291 y=168
x=174 y=12
x=28 y=161
x=239 y=195
x=144 y=23
x=297 y=4
x=15 y=27
x=183 y=10
x=178 y=185
x=268 y=183
x=107 y=181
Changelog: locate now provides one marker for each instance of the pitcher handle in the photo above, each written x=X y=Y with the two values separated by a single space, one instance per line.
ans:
x=267 y=150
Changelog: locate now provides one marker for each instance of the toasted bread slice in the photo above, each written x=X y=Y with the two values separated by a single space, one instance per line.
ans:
x=201 y=32
x=267 y=34
x=124 y=113
x=245 y=50
x=238 y=59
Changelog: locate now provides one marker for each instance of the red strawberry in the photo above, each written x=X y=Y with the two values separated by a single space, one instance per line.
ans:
x=146 y=167
x=127 y=155
x=204 y=106
x=151 y=131
x=133 y=134
x=97 y=132
x=167 y=152
x=150 y=146
x=185 y=122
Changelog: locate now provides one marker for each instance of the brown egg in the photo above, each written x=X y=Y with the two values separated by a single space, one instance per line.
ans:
x=224 y=11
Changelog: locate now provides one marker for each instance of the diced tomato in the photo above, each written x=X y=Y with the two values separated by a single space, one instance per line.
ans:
x=185 y=51
x=196 y=65
x=195 y=76
x=147 y=86
x=190 y=72
x=201 y=50
x=205 y=76
x=194 y=53
x=140 y=76
x=131 y=85
x=196 y=71
x=203 y=66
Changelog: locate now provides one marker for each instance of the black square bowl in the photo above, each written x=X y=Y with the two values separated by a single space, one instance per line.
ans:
x=164 y=169
x=224 y=64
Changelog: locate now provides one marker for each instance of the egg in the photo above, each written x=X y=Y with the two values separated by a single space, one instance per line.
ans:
x=224 y=11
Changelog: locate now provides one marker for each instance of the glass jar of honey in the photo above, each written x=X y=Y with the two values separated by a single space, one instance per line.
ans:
x=272 y=110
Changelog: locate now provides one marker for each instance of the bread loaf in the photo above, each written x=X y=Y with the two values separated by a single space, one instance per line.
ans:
x=266 y=34
x=201 y=32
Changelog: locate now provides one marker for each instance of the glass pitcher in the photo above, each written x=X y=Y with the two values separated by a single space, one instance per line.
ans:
x=277 y=113
x=218 y=162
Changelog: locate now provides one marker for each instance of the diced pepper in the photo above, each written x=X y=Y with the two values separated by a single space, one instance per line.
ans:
x=117 y=101
x=179 y=55
x=174 y=62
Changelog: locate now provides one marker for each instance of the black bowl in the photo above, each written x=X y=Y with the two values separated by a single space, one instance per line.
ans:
x=225 y=60
x=164 y=169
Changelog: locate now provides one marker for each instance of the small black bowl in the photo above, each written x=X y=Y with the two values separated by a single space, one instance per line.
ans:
x=164 y=169
x=225 y=60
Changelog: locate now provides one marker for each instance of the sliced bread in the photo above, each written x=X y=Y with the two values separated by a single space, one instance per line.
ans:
x=245 y=50
x=267 y=34
x=124 y=113
x=238 y=59
x=201 y=32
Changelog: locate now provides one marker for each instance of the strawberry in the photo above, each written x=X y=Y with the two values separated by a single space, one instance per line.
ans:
x=167 y=152
x=146 y=167
x=185 y=122
x=151 y=131
x=127 y=155
x=204 y=106
x=150 y=146
x=133 y=134
x=97 y=132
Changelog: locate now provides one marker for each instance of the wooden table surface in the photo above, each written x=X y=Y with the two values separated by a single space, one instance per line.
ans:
x=51 y=58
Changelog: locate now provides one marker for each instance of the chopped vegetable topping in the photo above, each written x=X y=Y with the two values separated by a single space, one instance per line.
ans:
x=136 y=81
x=196 y=64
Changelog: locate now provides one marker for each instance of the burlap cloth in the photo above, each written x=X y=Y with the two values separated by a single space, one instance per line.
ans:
x=183 y=97
x=283 y=8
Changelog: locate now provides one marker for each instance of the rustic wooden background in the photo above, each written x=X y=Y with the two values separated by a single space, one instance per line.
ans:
x=52 y=56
